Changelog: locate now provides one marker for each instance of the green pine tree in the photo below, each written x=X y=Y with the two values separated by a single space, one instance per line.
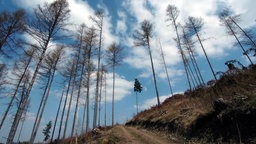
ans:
x=137 y=88
x=47 y=131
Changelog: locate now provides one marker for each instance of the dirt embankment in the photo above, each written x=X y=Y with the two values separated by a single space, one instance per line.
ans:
x=224 y=111
x=227 y=122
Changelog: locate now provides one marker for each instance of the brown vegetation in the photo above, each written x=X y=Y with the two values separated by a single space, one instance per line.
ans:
x=224 y=112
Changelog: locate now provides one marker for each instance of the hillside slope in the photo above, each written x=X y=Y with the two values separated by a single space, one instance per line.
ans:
x=223 y=111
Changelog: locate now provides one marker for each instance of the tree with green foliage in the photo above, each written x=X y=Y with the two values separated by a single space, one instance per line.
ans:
x=137 y=88
x=47 y=131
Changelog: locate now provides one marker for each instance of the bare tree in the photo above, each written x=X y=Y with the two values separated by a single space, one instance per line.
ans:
x=20 y=69
x=195 y=25
x=100 y=94
x=90 y=39
x=50 y=19
x=165 y=67
x=50 y=68
x=188 y=44
x=105 y=91
x=142 y=38
x=23 y=119
x=57 y=115
x=73 y=84
x=10 y=25
x=172 y=14
x=81 y=44
x=228 y=22
x=68 y=74
x=114 y=58
x=98 y=20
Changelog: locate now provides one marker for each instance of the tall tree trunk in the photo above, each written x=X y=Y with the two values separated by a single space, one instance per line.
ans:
x=166 y=71
x=57 y=115
x=71 y=98
x=153 y=70
x=100 y=95
x=45 y=101
x=65 y=102
x=206 y=56
x=113 y=96
x=97 y=81
x=87 y=99
x=137 y=102
x=32 y=136
x=77 y=100
x=21 y=109
x=180 y=49
x=105 y=115
x=233 y=33
x=245 y=33
x=80 y=80
x=15 y=92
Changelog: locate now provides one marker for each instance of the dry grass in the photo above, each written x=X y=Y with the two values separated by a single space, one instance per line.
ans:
x=185 y=108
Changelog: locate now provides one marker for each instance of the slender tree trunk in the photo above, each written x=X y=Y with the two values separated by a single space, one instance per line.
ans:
x=57 y=115
x=113 y=96
x=137 y=102
x=192 y=76
x=88 y=97
x=15 y=92
x=23 y=121
x=245 y=33
x=45 y=101
x=192 y=57
x=97 y=81
x=101 y=84
x=181 y=51
x=166 y=71
x=196 y=69
x=206 y=56
x=153 y=70
x=77 y=100
x=80 y=80
x=233 y=33
x=71 y=98
x=65 y=102
x=86 y=106
x=20 y=130
x=21 y=109
x=39 y=108
x=105 y=115
x=87 y=103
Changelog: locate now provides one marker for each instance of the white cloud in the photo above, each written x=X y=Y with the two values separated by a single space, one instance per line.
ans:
x=121 y=23
x=122 y=87
x=80 y=12
x=153 y=101
x=217 y=44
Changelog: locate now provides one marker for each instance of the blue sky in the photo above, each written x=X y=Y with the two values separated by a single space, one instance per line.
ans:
x=122 y=18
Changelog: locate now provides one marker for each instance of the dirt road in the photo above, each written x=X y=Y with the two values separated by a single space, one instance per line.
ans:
x=131 y=135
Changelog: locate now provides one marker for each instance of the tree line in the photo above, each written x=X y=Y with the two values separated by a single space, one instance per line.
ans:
x=48 y=54
x=187 y=36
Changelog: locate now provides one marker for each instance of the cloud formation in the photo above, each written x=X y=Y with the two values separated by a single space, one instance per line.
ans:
x=217 y=43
